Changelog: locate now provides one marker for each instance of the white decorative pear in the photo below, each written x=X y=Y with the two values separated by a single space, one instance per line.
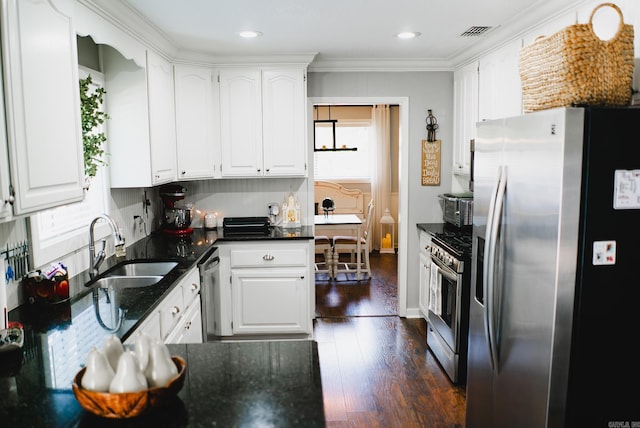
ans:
x=161 y=368
x=112 y=349
x=142 y=345
x=98 y=375
x=128 y=377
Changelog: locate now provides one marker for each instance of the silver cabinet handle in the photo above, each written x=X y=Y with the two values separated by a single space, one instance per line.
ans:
x=267 y=257
x=194 y=286
x=175 y=310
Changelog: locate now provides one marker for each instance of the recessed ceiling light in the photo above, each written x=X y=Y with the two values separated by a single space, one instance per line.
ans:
x=408 y=35
x=250 y=34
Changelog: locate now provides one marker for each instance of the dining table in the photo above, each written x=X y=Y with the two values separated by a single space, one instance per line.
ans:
x=341 y=222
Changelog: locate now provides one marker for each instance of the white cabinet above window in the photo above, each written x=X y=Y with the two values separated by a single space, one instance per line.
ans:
x=44 y=163
x=263 y=122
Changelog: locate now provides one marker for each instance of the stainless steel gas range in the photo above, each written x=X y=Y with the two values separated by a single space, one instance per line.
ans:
x=449 y=291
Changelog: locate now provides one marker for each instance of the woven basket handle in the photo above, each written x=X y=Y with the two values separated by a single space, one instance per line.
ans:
x=617 y=9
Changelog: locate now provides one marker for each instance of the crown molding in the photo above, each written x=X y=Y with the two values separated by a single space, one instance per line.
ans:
x=200 y=58
x=381 y=65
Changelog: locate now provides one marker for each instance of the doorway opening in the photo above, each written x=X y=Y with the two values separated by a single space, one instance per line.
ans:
x=387 y=268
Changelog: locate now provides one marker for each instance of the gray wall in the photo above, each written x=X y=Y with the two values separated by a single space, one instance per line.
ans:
x=425 y=90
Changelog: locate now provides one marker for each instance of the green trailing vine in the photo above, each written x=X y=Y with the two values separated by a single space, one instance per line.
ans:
x=92 y=116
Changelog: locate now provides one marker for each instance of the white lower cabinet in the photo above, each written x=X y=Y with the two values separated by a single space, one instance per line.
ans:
x=425 y=273
x=189 y=328
x=425 y=276
x=267 y=291
x=150 y=326
x=270 y=301
x=177 y=319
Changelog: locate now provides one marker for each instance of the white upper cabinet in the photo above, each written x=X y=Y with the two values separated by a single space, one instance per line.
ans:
x=465 y=88
x=241 y=122
x=262 y=122
x=283 y=129
x=197 y=122
x=141 y=130
x=42 y=107
x=500 y=88
x=162 y=127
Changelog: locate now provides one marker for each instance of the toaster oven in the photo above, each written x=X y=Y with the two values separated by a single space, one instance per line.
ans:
x=457 y=208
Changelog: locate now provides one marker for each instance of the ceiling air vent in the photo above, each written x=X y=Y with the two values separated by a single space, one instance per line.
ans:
x=475 y=31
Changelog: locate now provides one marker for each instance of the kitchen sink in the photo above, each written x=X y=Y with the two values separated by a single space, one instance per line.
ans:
x=133 y=273
x=140 y=268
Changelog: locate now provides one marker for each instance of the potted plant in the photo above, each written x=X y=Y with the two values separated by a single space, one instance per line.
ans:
x=91 y=99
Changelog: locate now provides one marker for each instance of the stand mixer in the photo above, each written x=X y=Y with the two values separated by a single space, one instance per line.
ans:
x=176 y=214
x=274 y=210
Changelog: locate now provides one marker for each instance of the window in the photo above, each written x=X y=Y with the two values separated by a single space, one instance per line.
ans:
x=353 y=130
x=62 y=230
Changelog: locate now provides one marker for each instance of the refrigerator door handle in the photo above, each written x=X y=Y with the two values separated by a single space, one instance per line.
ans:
x=491 y=238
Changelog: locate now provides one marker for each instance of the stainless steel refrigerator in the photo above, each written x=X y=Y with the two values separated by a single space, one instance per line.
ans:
x=555 y=307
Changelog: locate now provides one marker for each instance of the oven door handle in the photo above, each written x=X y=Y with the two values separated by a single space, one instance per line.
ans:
x=445 y=270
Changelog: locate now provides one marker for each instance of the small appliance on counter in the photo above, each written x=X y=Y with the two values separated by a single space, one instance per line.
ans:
x=246 y=225
x=457 y=208
x=274 y=211
x=176 y=214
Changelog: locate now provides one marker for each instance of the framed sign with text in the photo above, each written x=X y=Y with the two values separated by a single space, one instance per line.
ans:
x=431 y=162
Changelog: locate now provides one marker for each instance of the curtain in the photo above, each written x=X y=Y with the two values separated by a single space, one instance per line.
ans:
x=381 y=180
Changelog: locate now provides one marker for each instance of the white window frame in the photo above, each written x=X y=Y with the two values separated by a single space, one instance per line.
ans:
x=351 y=123
x=52 y=249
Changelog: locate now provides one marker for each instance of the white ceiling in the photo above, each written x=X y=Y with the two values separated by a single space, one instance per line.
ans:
x=342 y=30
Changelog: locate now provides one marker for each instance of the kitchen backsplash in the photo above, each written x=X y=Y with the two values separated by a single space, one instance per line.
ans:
x=231 y=198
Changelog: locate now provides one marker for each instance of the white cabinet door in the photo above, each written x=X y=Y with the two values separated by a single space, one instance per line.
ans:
x=141 y=130
x=197 y=122
x=189 y=328
x=283 y=115
x=241 y=123
x=425 y=276
x=263 y=128
x=6 y=190
x=465 y=92
x=270 y=301
x=425 y=272
x=150 y=326
x=42 y=108
x=162 y=132
x=499 y=86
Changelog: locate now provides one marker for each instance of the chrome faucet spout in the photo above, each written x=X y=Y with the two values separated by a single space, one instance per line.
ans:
x=96 y=260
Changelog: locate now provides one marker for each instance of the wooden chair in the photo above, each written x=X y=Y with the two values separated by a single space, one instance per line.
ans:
x=349 y=244
x=324 y=246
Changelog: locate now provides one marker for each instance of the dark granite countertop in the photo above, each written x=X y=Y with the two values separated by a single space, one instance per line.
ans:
x=432 y=227
x=248 y=384
x=59 y=336
x=138 y=302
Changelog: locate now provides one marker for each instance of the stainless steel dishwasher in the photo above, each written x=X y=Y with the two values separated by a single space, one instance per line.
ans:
x=209 y=267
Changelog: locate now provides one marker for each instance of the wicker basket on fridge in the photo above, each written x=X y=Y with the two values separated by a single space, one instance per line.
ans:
x=575 y=67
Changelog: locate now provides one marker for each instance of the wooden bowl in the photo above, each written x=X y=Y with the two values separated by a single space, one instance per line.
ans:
x=128 y=404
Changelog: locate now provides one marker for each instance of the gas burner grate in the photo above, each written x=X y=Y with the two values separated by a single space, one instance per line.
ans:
x=458 y=242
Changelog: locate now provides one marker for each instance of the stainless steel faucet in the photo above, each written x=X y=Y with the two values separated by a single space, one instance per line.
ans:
x=96 y=260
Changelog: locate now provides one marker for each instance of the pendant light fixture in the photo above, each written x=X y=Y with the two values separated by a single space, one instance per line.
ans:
x=333 y=122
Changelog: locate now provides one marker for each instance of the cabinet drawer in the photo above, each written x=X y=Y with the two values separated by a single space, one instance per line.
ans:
x=425 y=239
x=190 y=287
x=171 y=310
x=269 y=257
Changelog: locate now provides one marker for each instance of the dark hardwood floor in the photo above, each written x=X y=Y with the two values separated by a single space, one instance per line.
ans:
x=375 y=367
